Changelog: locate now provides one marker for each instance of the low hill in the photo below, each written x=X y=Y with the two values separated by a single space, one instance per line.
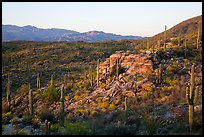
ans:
x=189 y=26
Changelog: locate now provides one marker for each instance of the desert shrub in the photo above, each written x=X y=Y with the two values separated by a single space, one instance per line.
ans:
x=152 y=123
x=170 y=69
x=118 y=100
x=150 y=89
x=98 y=100
x=167 y=80
x=94 y=113
x=55 y=127
x=22 y=132
x=6 y=117
x=27 y=119
x=23 y=89
x=36 y=120
x=145 y=96
x=197 y=120
x=14 y=120
x=47 y=114
x=77 y=128
x=51 y=94
x=112 y=106
x=104 y=104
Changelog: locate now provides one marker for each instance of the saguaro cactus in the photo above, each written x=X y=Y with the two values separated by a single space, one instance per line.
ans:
x=91 y=76
x=65 y=79
x=191 y=96
x=97 y=75
x=62 y=106
x=198 y=37
x=165 y=38
x=38 y=81
x=30 y=100
x=179 y=39
x=8 y=94
x=51 y=81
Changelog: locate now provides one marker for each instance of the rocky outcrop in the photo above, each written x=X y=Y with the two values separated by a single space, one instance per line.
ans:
x=132 y=80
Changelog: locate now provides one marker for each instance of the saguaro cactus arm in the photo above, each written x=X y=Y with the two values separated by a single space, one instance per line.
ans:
x=196 y=95
x=62 y=105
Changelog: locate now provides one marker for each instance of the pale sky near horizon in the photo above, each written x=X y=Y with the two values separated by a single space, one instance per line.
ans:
x=124 y=18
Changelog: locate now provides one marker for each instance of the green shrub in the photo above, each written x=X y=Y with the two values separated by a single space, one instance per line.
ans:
x=23 y=89
x=23 y=132
x=51 y=94
x=27 y=119
x=77 y=128
x=152 y=123
x=55 y=127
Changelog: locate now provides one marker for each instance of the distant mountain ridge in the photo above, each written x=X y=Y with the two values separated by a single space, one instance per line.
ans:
x=31 y=33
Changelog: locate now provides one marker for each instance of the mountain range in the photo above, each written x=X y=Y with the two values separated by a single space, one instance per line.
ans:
x=31 y=33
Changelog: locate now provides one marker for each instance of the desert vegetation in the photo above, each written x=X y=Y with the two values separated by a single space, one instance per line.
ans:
x=134 y=87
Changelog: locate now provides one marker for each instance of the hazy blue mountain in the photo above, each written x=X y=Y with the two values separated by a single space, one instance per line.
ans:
x=31 y=33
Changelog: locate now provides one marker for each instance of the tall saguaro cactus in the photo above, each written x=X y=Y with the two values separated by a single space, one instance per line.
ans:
x=198 y=37
x=179 y=39
x=97 y=75
x=62 y=106
x=91 y=76
x=165 y=38
x=30 y=100
x=38 y=81
x=8 y=94
x=65 y=79
x=51 y=81
x=191 y=96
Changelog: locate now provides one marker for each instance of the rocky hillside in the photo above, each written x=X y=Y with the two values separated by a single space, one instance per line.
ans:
x=182 y=29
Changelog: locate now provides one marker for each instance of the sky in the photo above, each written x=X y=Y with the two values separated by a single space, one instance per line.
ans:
x=124 y=18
